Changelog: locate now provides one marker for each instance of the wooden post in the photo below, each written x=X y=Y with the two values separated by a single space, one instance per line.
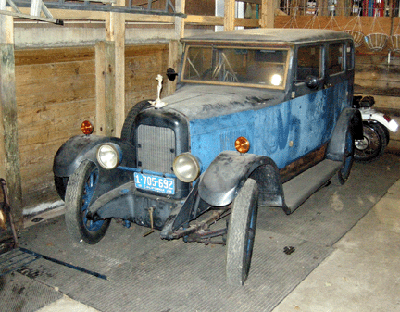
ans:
x=173 y=62
x=111 y=89
x=9 y=147
x=105 y=88
x=115 y=32
x=9 y=130
x=229 y=15
x=100 y=73
x=179 y=21
x=267 y=18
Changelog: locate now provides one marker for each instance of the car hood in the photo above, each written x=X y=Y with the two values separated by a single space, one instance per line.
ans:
x=205 y=101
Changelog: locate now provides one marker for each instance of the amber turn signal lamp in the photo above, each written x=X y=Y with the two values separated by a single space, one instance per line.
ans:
x=87 y=127
x=242 y=145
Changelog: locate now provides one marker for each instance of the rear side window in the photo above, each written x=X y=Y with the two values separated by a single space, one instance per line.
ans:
x=308 y=62
x=349 y=57
x=335 y=58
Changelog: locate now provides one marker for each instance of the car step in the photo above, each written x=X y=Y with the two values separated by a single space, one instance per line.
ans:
x=297 y=190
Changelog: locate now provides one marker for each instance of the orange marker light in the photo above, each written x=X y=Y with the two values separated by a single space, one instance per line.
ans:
x=242 y=145
x=87 y=127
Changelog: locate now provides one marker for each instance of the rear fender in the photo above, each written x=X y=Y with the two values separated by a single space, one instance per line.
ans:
x=219 y=185
x=349 y=117
x=78 y=148
x=374 y=116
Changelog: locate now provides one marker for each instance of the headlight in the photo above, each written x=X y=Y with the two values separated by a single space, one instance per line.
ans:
x=108 y=156
x=186 y=167
x=276 y=80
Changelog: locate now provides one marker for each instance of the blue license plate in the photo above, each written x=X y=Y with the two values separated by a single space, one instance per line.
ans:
x=154 y=183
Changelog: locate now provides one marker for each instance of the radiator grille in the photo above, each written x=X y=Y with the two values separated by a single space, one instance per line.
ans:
x=155 y=148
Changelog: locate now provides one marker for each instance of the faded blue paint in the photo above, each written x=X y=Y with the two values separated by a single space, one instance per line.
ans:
x=284 y=132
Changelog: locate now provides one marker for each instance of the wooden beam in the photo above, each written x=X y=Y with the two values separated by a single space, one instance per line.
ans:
x=267 y=18
x=179 y=21
x=216 y=20
x=247 y=22
x=100 y=73
x=9 y=130
x=173 y=62
x=6 y=25
x=229 y=15
x=65 y=14
x=110 y=88
x=115 y=32
x=204 y=20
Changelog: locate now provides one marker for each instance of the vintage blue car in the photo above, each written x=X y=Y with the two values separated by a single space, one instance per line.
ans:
x=260 y=117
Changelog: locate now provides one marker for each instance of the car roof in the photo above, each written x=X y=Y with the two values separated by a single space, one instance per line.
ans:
x=272 y=35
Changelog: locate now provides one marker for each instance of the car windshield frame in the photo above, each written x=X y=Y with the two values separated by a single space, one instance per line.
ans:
x=222 y=65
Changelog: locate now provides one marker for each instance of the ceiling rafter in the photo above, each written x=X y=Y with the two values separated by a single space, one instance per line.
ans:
x=40 y=9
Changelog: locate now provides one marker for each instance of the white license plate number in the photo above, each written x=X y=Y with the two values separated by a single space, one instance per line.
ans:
x=154 y=183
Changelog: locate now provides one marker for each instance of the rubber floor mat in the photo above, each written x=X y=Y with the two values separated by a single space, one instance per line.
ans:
x=14 y=259
x=22 y=294
x=150 y=274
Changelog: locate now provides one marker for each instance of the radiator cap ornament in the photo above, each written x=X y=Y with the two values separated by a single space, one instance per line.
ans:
x=158 y=103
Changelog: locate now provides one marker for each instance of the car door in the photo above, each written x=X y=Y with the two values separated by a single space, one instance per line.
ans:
x=309 y=103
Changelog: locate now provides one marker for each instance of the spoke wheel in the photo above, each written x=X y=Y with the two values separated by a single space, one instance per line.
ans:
x=241 y=234
x=78 y=196
x=373 y=144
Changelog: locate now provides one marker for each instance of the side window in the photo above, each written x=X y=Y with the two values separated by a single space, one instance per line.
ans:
x=349 y=56
x=308 y=62
x=335 y=58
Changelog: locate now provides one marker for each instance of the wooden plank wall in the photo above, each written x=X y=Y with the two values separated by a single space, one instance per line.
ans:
x=55 y=91
x=141 y=68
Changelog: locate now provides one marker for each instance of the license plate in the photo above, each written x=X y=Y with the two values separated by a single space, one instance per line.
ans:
x=154 y=183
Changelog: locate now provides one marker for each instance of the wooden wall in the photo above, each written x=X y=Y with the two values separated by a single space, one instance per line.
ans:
x=141 y=68
x=55 y=91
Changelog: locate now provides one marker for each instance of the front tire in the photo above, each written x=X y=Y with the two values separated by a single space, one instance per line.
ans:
x=78 y=196
x=127 y=131
x=241 y=234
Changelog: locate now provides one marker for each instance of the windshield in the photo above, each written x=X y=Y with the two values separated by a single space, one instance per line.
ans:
x=257 y=67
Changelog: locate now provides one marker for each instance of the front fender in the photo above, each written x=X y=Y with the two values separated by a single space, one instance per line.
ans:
x=78 y=148
x=219 y=185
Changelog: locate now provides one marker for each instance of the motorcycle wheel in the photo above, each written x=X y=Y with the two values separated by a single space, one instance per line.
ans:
x=78 y=196
x=373 y=144
x=241 y=234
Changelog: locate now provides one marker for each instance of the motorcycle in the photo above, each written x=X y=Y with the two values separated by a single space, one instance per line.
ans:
x=376 y=127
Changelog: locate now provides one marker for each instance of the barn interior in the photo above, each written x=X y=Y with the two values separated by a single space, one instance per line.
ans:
x=63 y=62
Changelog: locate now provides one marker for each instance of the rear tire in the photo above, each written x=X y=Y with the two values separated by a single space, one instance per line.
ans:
x=79 y=195
x=373 y=145
x=241 y=234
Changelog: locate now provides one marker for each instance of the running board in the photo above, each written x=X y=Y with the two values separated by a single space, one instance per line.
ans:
x=297 y=190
